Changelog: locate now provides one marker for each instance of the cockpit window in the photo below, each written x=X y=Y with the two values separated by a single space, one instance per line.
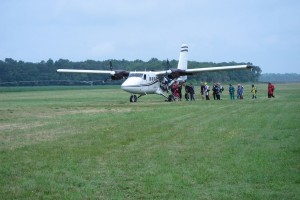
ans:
x=133 y=74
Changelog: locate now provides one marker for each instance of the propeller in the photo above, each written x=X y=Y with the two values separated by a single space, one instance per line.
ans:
x=117 y=74
x=173 y=73
x=112 y=73
x=168 y=64
x=168 y=72
x=110 y=65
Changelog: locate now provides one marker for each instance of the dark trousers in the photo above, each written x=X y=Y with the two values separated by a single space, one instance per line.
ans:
x=192 y=97
x=270 y=95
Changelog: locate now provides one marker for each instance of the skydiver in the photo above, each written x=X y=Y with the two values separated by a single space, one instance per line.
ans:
x=192 y=92
x=253 y=91
x=231 y=91
x=271 y=89
x=207 y=89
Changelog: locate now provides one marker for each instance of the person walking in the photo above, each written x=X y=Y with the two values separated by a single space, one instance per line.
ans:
x=206 y=91
x=202 y=90
x=240 y=91
x=221 y=90
x=192 y=92
x=271 y=89
x=175 y=90
x=180 y=91
x=253 y=91
x=186 y=89
x=231 y=91
x=215 y=91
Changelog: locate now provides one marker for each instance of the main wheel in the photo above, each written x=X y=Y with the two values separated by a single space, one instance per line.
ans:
x=171 y=98
x=133 y=98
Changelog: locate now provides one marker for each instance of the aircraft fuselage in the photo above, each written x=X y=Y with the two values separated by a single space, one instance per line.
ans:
x=142 y=83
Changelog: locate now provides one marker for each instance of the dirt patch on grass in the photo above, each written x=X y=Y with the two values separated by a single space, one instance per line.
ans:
x=20 y=126
x=42 y=126
x=11 y=142
x=113 y=110
x=14 y=139
x=60 y=112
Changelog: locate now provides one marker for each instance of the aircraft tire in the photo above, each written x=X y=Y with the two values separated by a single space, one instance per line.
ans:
x=133 y=98
x=171 y=98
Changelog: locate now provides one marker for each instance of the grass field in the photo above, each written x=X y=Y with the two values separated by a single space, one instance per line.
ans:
x=91 y=143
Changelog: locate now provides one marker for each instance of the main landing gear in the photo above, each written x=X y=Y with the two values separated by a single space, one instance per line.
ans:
x=133 y=98
x=172 y=97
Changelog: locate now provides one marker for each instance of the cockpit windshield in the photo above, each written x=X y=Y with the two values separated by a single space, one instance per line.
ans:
x=135 y=74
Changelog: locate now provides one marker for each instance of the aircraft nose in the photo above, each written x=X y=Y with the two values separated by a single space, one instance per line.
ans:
x=131 y=84
x=125 y=84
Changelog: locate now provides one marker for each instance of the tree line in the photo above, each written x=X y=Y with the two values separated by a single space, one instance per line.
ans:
x=19 y=73
x=280 y=78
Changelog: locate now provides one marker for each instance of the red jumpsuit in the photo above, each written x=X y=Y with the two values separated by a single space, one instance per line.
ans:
x=175 y=90
x=271 y=89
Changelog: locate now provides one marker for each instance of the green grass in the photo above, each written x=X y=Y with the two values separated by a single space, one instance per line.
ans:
x=91 y=143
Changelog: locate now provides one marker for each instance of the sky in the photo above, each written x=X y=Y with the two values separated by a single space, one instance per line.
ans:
x=263 y=32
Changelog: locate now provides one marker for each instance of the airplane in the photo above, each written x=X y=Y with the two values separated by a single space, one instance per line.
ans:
x=155 y=82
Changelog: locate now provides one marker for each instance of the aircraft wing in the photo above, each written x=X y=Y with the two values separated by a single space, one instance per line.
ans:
x=115 y=74
x=181 y=72
x=213 y=69
x=86 y=71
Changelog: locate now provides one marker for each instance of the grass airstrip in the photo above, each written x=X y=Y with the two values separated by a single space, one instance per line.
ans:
x=91 y=143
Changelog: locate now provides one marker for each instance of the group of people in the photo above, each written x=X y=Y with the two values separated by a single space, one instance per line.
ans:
x=217 y=91
x=239 y=92
x=189 y=91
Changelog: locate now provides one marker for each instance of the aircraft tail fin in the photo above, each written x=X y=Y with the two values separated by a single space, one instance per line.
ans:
x=183 y=59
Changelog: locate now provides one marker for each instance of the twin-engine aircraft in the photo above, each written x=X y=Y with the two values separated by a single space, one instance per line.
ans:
x=155 y=82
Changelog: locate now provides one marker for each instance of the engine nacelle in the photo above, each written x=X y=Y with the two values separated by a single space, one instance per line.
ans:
x=176 y=73
x=116 y=78
x=119 y=74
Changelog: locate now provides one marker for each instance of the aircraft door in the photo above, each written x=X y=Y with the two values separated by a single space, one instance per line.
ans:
x=145 y=83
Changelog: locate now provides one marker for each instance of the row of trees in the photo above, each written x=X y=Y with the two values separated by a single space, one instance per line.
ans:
x=14 y=72
x=280 y=78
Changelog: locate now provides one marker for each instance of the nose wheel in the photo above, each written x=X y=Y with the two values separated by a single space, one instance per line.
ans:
x=133 y=98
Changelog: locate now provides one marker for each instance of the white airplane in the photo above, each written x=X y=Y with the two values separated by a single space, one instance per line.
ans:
x=155 y=82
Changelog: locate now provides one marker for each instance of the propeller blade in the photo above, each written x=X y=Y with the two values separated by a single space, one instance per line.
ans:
x=110 y=65
x=168 y=64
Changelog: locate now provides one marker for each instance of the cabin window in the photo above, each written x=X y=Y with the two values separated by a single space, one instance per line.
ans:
x=133 y=74
x=144 y=76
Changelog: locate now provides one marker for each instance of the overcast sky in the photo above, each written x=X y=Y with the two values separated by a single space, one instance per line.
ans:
x=263 y=32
